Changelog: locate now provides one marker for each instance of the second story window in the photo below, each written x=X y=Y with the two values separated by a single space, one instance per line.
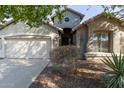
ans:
x=66 y=19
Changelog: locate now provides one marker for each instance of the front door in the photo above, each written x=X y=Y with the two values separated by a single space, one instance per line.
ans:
x=67 y=41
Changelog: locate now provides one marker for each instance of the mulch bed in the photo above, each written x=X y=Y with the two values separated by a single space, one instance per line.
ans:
x=88 y=74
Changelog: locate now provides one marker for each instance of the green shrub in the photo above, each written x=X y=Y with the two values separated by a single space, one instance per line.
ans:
x=115 y=78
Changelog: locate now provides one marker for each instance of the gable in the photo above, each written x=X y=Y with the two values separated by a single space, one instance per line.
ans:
x=71 y=19
x=22 y=29
x=103 y=23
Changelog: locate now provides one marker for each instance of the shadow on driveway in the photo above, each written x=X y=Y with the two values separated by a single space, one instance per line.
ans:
x=19 y=73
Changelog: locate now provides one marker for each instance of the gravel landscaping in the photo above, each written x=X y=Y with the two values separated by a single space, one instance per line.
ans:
x=88 y=74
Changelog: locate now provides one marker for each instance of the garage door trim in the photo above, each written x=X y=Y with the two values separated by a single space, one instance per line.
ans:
x=48 y=40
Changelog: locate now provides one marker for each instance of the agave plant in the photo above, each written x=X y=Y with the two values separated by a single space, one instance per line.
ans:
x=115 y=78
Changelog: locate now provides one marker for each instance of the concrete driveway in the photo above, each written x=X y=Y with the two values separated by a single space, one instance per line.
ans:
x=19 y=73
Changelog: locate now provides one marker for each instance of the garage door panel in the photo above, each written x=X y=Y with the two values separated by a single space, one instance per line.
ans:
x=38 y=49
x=27 y=48
x=16 y=49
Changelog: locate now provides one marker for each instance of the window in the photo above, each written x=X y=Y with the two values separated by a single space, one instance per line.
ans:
x=66 y=19
x=101 y=42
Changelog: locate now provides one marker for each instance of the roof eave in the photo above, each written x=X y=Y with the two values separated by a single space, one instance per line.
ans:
x=76 y=12
x=78 y=27
x=58 y=29
x=72 y=10
x=94 y=18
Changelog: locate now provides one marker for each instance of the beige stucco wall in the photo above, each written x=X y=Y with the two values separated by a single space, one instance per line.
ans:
x=101 y=24
x=78 y=39
x=20 y=28
x=122 y=42
x=82 y=38
x=104 y=24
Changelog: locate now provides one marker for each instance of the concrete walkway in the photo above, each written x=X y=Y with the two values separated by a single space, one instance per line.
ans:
x=19 y=73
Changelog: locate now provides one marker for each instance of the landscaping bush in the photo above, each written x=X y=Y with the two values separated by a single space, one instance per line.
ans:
x=65 y=54
x=64 y=57
x=115 y=78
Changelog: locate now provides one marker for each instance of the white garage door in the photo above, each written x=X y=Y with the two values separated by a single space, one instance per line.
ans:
x=27 y=48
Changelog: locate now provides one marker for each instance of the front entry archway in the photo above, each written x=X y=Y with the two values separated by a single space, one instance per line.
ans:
x=67 y=38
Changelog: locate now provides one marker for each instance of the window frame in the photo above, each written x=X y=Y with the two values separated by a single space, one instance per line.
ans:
x=99 y=41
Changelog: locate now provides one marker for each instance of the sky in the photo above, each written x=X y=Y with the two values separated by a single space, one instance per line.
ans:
x=88 y=11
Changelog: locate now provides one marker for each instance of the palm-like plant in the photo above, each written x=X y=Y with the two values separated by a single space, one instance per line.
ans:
x=115 y=78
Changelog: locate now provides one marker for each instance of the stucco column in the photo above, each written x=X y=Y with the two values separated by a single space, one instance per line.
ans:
x=116 y=42
x=90 y=40
x=78 y=39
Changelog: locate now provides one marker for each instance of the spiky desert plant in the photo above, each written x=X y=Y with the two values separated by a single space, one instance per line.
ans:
x=115 y=78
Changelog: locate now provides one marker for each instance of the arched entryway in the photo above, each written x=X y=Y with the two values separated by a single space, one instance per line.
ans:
x=67 y=38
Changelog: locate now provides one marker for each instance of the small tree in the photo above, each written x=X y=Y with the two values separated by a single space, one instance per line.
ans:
x=32 y=15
